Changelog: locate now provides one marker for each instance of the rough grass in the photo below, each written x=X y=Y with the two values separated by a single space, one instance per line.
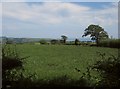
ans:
x=50 y=61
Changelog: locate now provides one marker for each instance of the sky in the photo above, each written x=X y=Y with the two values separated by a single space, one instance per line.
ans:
x=53 y=19
x=60 y=0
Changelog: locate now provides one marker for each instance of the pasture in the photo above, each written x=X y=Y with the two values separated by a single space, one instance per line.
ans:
x=49 y=61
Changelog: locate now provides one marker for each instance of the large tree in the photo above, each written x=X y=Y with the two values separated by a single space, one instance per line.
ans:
x=96 y=33
x=64 y=38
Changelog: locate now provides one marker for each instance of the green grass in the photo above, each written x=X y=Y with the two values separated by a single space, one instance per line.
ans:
x=49 y=61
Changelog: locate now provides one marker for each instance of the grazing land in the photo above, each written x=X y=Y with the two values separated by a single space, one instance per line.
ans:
x=49 y=61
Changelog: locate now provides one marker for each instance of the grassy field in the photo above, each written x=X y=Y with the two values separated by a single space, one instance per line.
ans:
x=49 y=61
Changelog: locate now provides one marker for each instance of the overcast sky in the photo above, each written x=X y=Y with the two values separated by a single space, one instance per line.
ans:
x=60 y=0
x=53 y=19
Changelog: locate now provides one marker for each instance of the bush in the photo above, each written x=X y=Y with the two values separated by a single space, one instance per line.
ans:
x=10 y=58
x=54 y=41
x=109 y=70
x=11 y=64
x=43 y=41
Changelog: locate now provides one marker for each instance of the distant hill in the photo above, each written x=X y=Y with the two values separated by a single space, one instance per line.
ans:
x=28 y=40
x=21 y=40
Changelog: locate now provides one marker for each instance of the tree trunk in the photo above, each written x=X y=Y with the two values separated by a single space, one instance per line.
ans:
x=64 y=41
x=97 y=41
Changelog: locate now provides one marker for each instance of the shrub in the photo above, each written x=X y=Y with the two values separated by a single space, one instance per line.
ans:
x=54 y=41
x=109 y=70
x=11 y=64
x=43 y=41
x=10 y=58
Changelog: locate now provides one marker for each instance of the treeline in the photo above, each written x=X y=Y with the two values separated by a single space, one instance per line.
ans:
x=112 y=43
x=11 y=40
x=61 y=42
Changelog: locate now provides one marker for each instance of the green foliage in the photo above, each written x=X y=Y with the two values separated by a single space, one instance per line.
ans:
x=96 y=33
x=113 y=43
x=109 y=69
x=54 y=41
x=10 y=58
x=64 y=38
x=11 y=64
x=61 y=82
x=76 y=42
x=42 y=41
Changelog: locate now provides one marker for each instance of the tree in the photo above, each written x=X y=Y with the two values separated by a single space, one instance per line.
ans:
x=96 y=33
x=64 y=38
x=76 y=42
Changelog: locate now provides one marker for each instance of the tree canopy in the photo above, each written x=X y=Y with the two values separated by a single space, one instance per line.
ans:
x=64 y=38
x=96 y=33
